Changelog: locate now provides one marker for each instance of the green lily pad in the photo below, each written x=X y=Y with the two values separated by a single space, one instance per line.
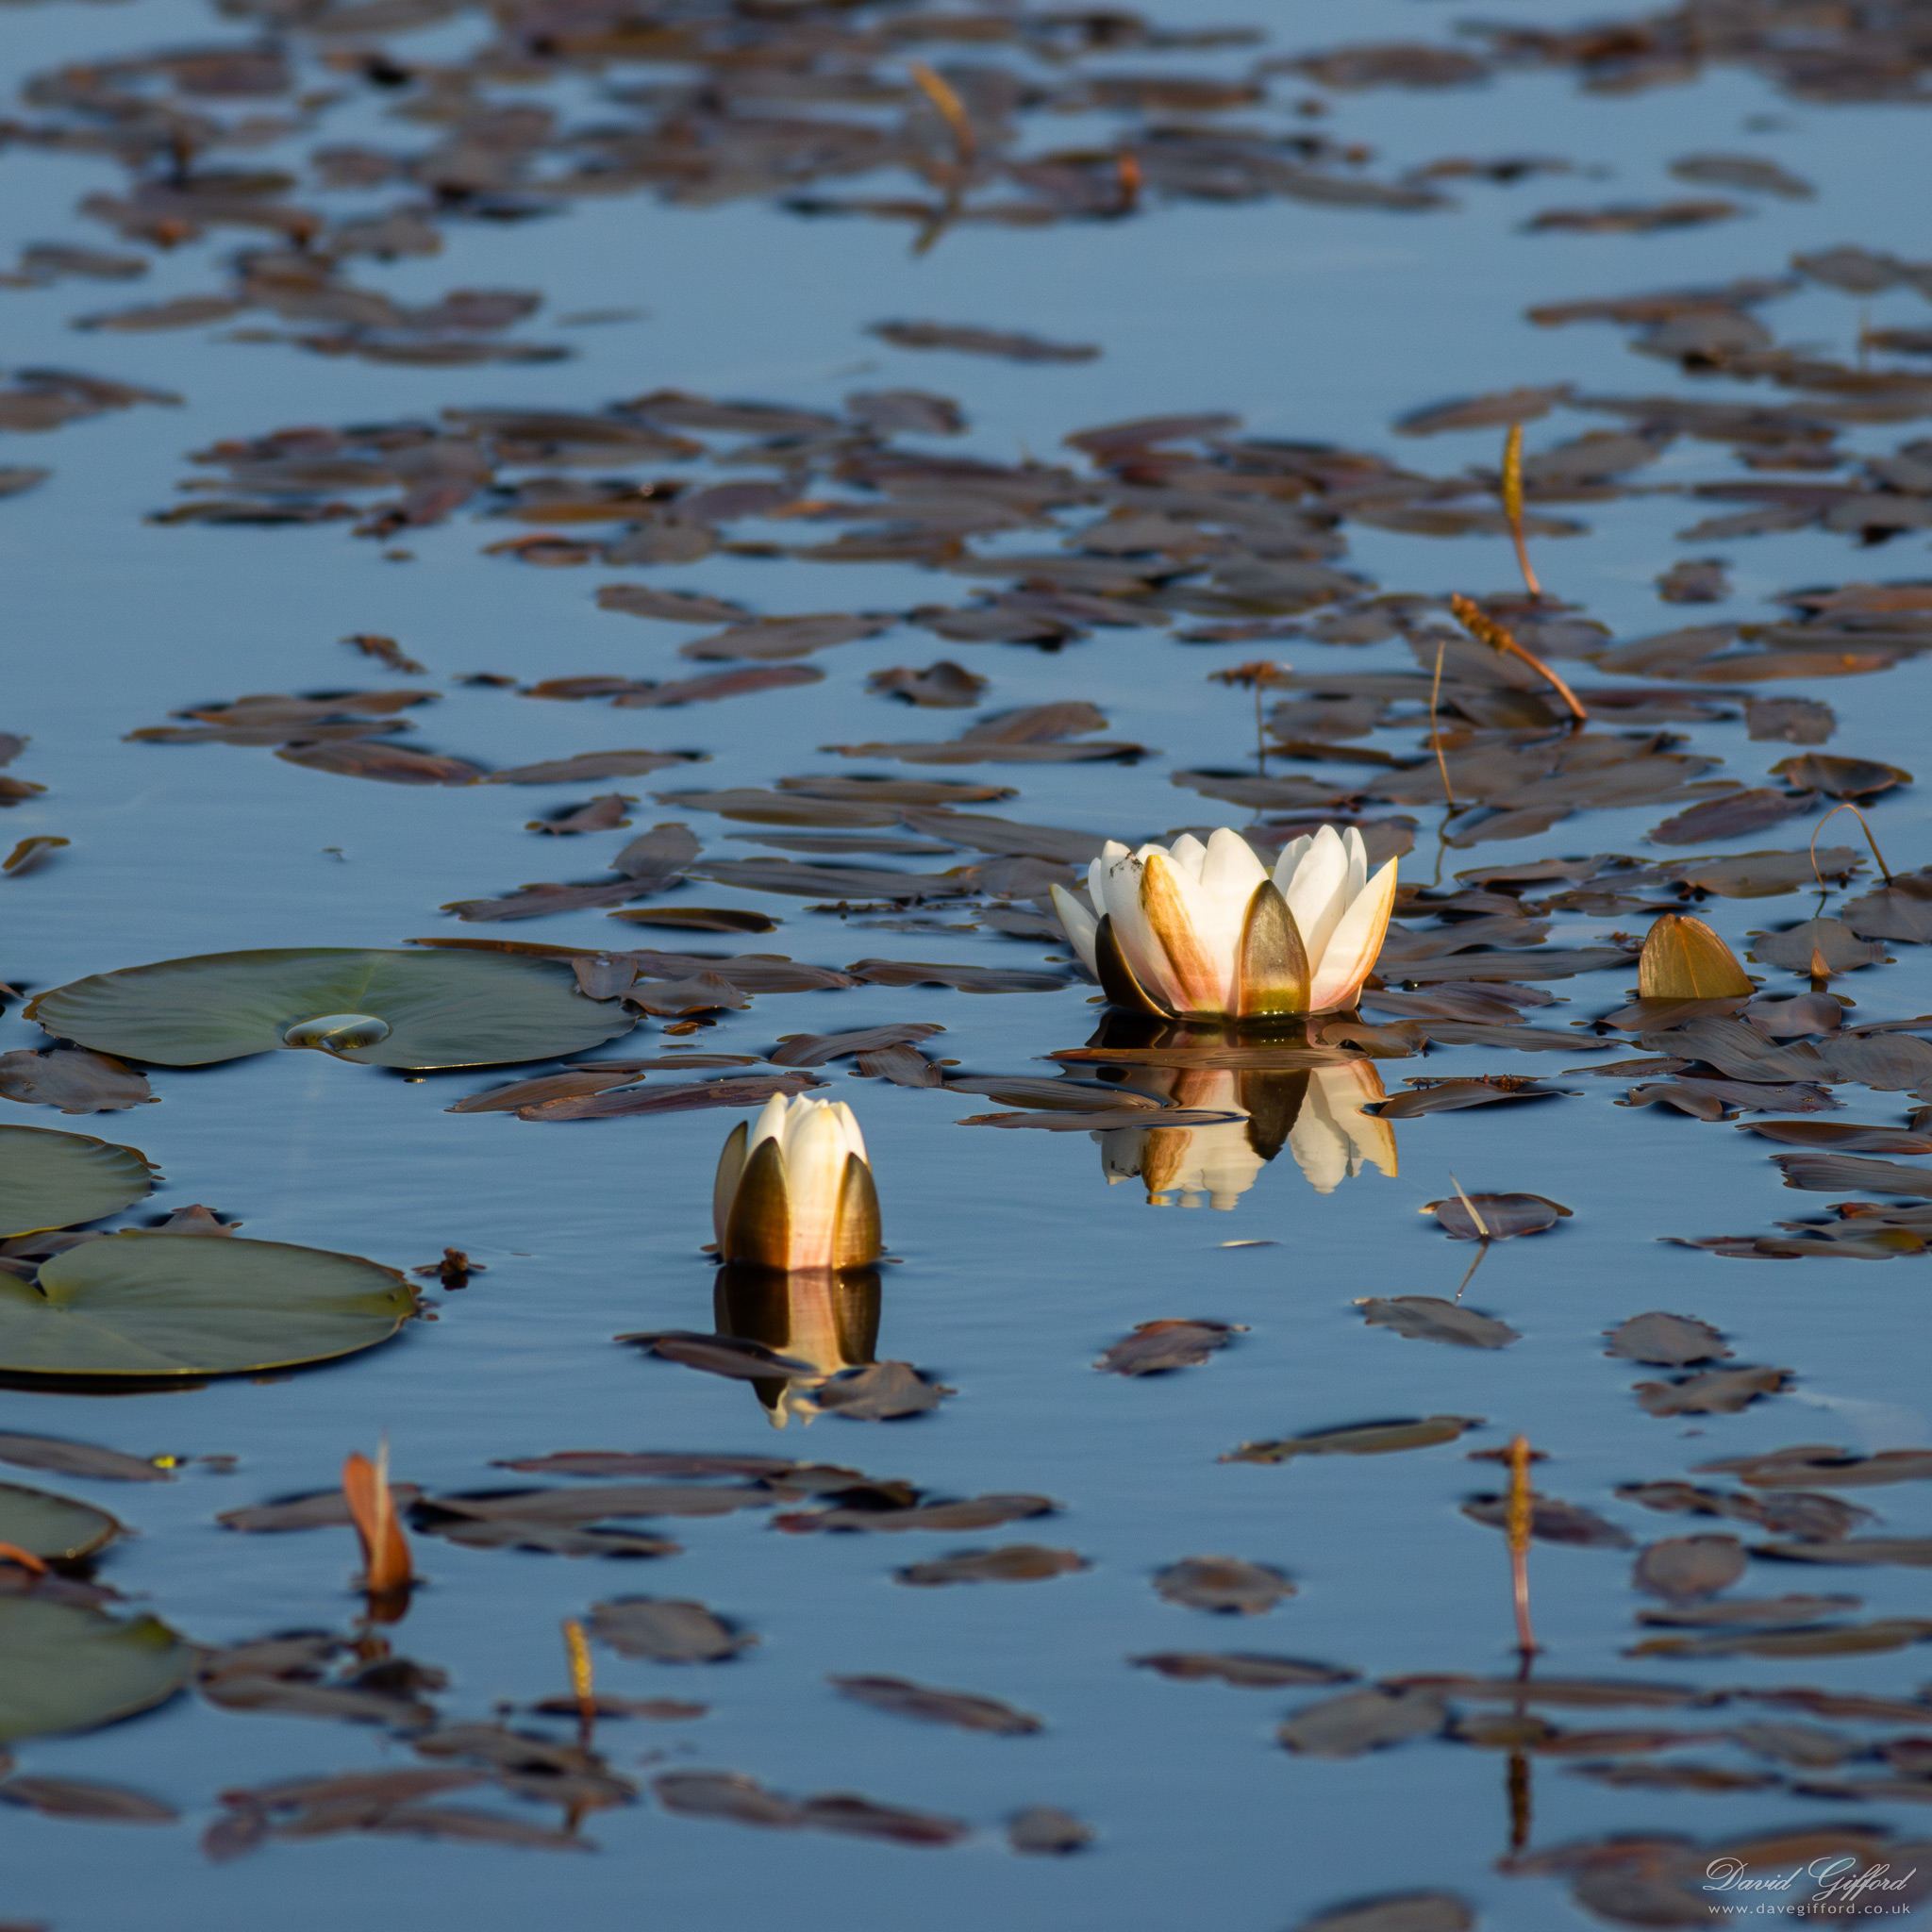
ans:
x=385 y=1010
x=66 y=1668
x=163 y=1305
x=54 y=1528
x=49 y=1179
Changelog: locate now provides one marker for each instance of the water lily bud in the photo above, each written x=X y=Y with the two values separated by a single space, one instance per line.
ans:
x=795 y=1190
x=1683 y=959
x=1208 y=931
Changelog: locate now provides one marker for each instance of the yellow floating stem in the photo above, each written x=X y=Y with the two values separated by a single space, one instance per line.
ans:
x=1512 y=505
x=950 y=109
x=1683 y=959
x=1480 y=624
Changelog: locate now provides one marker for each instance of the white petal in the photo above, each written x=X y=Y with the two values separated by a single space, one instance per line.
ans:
x=1357 y=862
x=770 y=1124
x=814 y=1166
x=1350 y=956
x=1082 y=929
x=1186 y=853
x=1142 y=951
x=1292 y=856
x=1317 y=893
x=1199 y=969
x=1231 y=869
x=848 y=1121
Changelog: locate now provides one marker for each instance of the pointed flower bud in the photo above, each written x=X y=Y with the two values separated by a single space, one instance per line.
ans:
x=794 y=1188
x=1683 y=959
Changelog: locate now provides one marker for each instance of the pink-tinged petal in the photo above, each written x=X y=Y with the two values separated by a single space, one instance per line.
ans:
x=1079 y=925
x=1350 y=956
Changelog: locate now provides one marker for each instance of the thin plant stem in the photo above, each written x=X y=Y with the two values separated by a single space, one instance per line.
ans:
x=950 y=109
x=1518 y=1521
x=582 y=1679
x=1482 y=1227
x=1512 y=505
x=1436 y=728
x=1877 y=856
x=1521 y=1810
x=1480 y=624
x=1482 y=1248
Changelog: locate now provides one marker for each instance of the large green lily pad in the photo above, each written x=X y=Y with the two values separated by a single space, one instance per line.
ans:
x=388 y=1010
x=49 y=1179
x=50 y=1526
x=161 y=1305
x=66 y=1668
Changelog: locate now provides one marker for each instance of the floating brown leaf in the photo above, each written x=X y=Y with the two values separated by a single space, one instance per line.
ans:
x=1009 y=1563
x=1716 y=1392
x=1671 y=1340
x=1551 y=1521
x=1227 y=1585
x=1359 y=1438
x=1685 y=1568
x=1156 y=1348
x=667 y=1630
x=1428 y=1318
x=83 y=1458
x=1502 y=1217
x=968 y=341
x=879 y=1393
x=963 y=1710
x=1250 y=1669
x=1396 y=1911
x=73 y=1078
x=1359 y=1721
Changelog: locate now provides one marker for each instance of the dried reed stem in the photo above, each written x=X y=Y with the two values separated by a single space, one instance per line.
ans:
x=1512 y=505
x=1518 y=1523
x=1812 y=849
x=1481 y=625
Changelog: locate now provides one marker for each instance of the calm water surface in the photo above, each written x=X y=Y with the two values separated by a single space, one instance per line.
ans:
x=1018 y=1263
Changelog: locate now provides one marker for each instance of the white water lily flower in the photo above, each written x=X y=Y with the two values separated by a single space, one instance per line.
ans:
x=794 y=1188
x=1206 y=930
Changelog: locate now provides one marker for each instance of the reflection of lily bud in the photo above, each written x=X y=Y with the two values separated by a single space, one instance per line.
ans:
x=794 y=1191
x=1205 y=929
x=1332 y=1140
x=829 y=1320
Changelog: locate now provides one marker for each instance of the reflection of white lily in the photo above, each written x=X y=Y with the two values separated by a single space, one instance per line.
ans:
x=1205 y=929
x=1332 y=1140
x=794 y=1188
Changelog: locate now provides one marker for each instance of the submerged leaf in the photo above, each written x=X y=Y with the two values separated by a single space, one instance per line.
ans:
x=1225 y=1584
